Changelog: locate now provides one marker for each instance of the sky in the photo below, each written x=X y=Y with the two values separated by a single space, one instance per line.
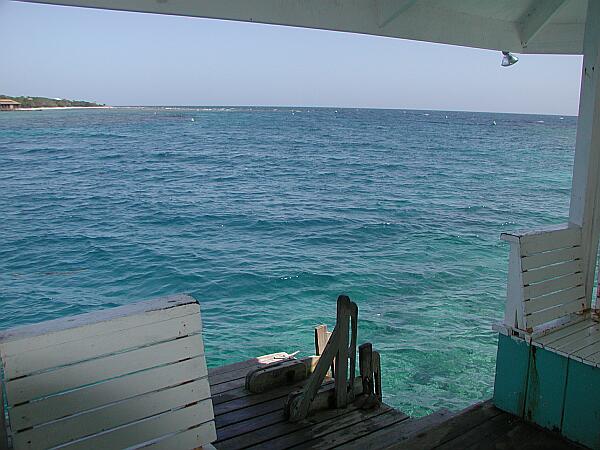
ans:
x=122 y=58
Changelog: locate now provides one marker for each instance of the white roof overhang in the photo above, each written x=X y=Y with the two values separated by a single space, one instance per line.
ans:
x=522 y=26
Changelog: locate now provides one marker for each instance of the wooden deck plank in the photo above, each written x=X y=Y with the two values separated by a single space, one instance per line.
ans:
x=241 y=415
x=350 y=428
x=396 y=433
x=315 y=435
x=452 y=428
x=271 y=426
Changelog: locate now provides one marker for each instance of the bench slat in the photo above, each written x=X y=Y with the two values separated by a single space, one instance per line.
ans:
x=56 y=407
x=151 y=429
x=70 y=377
x=532 y=244
x=92 y=347
x=553 y=257
x=114 y=415
x=547 y=315
x=55 y=332
x=555 y=299
x=548 y=272
x=553 y=285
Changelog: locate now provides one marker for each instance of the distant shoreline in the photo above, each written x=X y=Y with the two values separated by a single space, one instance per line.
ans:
x=43 y=108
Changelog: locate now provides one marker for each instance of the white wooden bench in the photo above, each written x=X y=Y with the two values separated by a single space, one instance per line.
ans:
x=546 y=302
x=127 y=377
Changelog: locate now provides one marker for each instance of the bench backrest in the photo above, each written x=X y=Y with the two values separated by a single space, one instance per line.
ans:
x=546 y=280
x=111 y=379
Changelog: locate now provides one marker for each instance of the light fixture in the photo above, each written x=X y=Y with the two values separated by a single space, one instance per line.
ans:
x=508 y=59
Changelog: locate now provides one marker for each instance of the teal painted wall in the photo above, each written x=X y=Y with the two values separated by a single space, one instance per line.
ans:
x=512 y=366
x=546 y=388
x=581 y=420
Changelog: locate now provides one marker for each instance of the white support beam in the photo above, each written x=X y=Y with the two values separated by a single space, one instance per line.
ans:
x=585 y=193
x=391 y=9
x=536 y=18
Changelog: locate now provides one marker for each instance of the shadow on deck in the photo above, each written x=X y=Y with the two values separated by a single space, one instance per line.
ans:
x=256 y=421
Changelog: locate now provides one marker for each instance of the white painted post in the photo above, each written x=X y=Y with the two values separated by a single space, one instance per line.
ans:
x=585 y=193
x=513 y=312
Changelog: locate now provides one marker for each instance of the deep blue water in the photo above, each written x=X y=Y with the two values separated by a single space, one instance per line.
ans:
x=266 y=215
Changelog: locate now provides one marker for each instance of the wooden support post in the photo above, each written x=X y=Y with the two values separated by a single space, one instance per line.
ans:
x=365 y=361
x=352 y=349
x=585 y=193
x=377 y=375
x=320 y=339
x=341 y=362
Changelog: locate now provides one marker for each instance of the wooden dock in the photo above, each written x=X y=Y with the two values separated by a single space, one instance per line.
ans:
x=256 y=421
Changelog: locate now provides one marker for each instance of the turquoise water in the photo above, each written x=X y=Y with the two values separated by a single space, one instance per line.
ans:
x=266 y=215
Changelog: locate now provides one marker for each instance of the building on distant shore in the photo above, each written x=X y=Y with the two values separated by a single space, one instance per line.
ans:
x=6 y=104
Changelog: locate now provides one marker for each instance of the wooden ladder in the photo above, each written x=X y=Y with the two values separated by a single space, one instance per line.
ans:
x=339 y=348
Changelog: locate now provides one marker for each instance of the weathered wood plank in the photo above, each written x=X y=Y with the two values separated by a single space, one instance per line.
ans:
x=92 y=347
x=275 y=375
x=553 y=271
x=350 y=427
x=114 y=415
x=244 y=432
x=365 y=424
x=150 y=429
x=103 y=322
x=246 y=401
x=305 y=435
x=341 y=361
x=52 y=408
x=553 y=257
x=255 y=410
x=274 y=425
x=394 y=435
x=35 y=386
x=451 y=428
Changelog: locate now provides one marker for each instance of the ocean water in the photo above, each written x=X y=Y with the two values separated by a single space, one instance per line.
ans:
x=266 y=215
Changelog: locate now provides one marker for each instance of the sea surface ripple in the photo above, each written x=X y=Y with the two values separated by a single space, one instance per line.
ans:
x=266 y=215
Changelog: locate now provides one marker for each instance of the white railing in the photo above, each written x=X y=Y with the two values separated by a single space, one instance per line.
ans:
x=546 y=281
